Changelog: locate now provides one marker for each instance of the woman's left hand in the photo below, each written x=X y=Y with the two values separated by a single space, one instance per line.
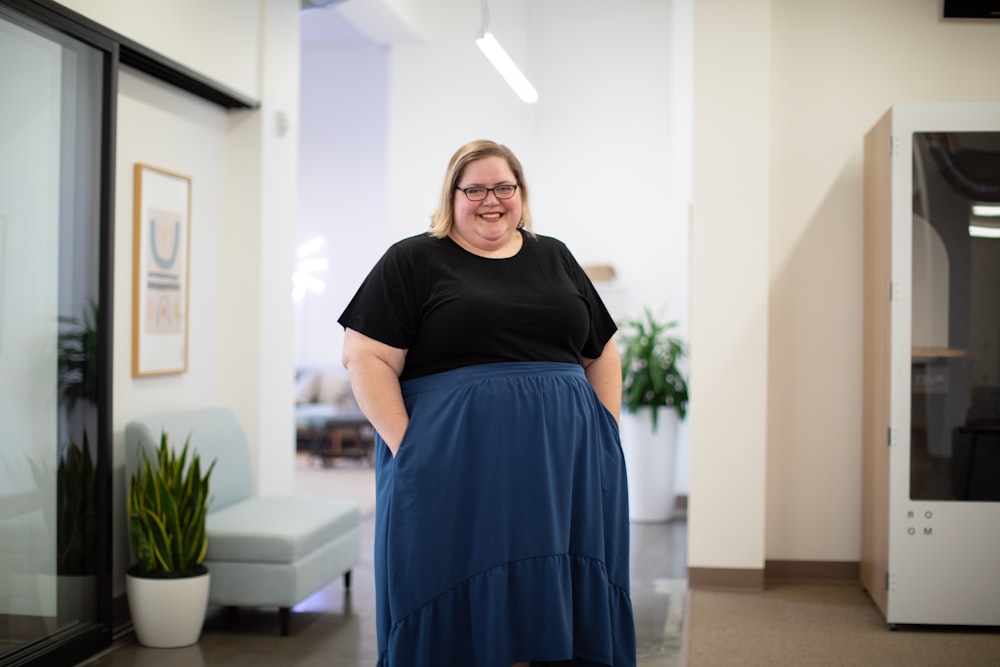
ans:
x=605 y=375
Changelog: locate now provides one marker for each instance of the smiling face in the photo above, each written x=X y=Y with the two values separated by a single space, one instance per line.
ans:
x=487 y=227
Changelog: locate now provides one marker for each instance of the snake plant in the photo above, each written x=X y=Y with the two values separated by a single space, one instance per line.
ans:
x=167 y=506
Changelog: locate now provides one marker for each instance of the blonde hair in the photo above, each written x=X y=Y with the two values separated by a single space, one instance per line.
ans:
x=444 y=216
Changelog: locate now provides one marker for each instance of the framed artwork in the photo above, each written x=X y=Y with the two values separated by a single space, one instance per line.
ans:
x=160 y=290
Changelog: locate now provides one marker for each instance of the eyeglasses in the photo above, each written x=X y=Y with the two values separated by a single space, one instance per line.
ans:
x=477 y=193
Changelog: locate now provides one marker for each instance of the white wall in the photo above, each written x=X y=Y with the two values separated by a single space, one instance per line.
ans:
x=216 y=39
x=598 y=148
x=343 y=170
x=189 y=139
x=243 y=170
x=837 y=68
x=729 y=284
x=262 y=176
x=606 y=150
x=785 y=91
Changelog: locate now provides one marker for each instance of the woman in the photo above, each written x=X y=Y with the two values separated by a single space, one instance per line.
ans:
x=484 y=358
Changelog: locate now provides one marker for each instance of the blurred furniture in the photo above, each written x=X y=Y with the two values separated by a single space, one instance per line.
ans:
x=976 y=467
x=328 y=422
x=271 y=551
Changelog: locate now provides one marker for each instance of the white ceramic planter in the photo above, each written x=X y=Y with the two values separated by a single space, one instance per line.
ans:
x=167 y=613
x=650 y=459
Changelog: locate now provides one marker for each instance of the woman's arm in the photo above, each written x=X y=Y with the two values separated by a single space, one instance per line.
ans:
x=605 y=375
x=374 y=368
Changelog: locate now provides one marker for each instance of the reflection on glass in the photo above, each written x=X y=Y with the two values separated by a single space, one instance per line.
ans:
x=76 y=477
x=49 y=264
x=955 y=374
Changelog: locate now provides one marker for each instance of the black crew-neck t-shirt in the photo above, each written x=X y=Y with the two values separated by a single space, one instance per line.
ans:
x=450 y=308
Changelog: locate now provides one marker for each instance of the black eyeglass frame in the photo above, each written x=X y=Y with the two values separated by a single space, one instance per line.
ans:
x=487 y=191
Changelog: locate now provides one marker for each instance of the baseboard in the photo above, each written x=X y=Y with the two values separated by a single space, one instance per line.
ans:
x=121 y=620
x=681 y=504
x=774 y=572
x=811 y=571
x=725 y=578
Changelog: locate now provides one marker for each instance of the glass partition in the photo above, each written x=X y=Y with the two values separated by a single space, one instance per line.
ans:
x=50 y=237
x=955 y=374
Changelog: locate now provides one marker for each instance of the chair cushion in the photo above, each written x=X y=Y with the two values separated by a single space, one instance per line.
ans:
x=314 y=415
x=278 y=529
x=334 y=387
x=307 y=387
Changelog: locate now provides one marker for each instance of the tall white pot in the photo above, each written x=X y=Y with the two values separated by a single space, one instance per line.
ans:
x=167 y=613
x=650 y=459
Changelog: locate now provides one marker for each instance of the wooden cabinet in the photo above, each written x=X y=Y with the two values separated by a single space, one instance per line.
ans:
x=931 y=360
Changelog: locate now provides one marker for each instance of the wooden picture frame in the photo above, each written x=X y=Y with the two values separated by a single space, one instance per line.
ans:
x=160 y=289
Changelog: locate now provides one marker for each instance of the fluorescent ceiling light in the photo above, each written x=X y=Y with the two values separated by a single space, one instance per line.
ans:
x=985 y=223
x=983 y=232
x=303 y=279
x=508 y=70
x=311 y=246
x=491 y=48
x=312 y=264
x=986 y=210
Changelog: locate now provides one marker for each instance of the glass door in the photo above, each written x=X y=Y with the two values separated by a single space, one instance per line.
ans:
x=53 y=389
x=955 y=374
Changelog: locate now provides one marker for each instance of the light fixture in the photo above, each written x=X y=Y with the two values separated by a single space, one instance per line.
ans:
x=491 y=48
x=984 y=232
x=986 y=210
x=302 y=279
x=985 y=223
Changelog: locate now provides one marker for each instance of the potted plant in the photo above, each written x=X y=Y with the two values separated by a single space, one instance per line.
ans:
x=76 y=474
x=651 y=377
x=167 y=586
x=77 y=345
x=74 y=520
x=655 y=398
x=76 y=478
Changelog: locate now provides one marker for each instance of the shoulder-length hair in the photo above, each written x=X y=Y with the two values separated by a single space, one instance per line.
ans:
x=444 y=216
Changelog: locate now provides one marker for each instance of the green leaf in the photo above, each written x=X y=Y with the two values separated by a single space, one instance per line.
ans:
x=168 y=505
x=651 y=376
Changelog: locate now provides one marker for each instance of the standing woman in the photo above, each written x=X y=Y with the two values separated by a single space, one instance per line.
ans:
x=483 y=356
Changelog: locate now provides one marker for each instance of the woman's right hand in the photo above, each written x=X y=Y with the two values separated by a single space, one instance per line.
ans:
x=374 y=368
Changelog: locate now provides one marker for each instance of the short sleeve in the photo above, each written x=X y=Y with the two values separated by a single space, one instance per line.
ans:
x=385 y=306
x=602 y=325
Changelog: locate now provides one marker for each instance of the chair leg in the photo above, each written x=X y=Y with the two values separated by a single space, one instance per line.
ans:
x=284 y=620
x=347 y=580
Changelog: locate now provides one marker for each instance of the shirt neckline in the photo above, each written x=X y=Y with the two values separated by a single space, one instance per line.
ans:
x=524 y=239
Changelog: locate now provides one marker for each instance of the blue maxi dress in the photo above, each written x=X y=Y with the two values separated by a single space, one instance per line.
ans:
x=501 y=528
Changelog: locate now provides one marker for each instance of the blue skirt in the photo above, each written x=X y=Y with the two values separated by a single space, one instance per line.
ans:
x=501 y=527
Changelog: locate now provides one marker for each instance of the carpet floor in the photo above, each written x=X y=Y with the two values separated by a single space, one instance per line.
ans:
x=819 y=625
